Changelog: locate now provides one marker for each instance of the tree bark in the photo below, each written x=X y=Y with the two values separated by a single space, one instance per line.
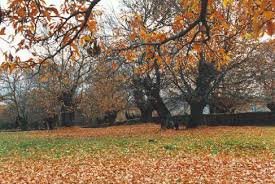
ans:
x=49 y=123
x=166 y=120
x=67 y=110
x=271 y=106
x=146 y=114
x=196 y=114
x=144 y=105
x=23 y=123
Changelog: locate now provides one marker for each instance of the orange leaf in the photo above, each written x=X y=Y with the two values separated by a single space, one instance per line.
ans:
x=2 y=31
x=12 y=67
x=270 y=28
x=133 y=37
x=114 y=65
x=21 y=12
x=268 y=14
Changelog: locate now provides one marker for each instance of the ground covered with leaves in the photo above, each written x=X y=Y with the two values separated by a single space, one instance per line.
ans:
x=139 y=154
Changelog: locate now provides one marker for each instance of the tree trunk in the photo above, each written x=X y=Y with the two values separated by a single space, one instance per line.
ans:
x=111 y=117
x=165 y=116
x=212 y=108
x=196 y=114
x=67 y=110
x=144 y=105
x=49 y=122
x=146 y=113
x=67 y=117
x=271 y=106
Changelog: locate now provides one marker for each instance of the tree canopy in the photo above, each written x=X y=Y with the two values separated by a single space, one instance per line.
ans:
x=75 y=21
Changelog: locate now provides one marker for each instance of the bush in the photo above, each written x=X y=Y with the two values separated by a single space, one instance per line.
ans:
x=4 y=125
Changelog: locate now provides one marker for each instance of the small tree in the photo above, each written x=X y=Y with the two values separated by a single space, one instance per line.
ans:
x=105 y=96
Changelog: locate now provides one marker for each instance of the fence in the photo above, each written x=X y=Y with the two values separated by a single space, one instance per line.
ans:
x=241 y=119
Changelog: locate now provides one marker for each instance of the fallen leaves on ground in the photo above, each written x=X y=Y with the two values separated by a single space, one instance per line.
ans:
x=144 y=130
x=140 y=169
x=168 y=166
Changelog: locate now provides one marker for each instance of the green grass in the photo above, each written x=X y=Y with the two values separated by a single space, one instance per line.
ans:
x=233 y=143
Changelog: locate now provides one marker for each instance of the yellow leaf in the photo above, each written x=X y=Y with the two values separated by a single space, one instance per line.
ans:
x=5 y=65
x=47 y=14
x=21 y=12
x=225 y=3
x=66 y=38
x=31 y=27
x=270 y=27
x=12 y=67
x=143 y=34
x=53 y=9
x=92 y=25
x=85 y=39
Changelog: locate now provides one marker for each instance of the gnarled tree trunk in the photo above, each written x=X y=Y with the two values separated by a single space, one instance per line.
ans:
x=146 y=113
x=206 y=75
x=144 y=105
x=165 y=116
x=196 y=114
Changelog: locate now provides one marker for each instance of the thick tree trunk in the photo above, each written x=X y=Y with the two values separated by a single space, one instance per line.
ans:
x=207 y=73
x=146 y=114
x=165 y=116
x=67 y=116
x=196 y=114
x=144 y=105
x=50 y=125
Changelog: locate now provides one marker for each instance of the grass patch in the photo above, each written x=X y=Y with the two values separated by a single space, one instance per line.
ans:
x=236 y=142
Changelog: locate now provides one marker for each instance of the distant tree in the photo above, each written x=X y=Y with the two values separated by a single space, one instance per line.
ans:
x=104 y=97
x=14 y=92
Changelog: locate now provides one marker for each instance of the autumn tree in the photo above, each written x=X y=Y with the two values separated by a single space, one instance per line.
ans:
x=104 y=97
x=199 y=61
x=66 y=76
x=14 y=92
x=147 y=76
x=66 y=23
x=264 y=73
x=44 y=108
